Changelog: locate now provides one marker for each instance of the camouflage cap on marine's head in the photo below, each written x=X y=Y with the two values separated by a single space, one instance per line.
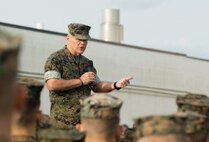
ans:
x=193 y=122
x=101 y=106
x=79 y=31
x=34 y=86
x=54 y=134
x=9 y=47
x=197 y=103
x=9 y=41
x=158 y=125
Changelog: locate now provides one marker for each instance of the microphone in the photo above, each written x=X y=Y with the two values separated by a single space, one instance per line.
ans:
x=90 y=66
x=90 y=69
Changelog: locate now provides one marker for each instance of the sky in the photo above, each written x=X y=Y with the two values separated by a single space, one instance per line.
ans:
x=173 y=25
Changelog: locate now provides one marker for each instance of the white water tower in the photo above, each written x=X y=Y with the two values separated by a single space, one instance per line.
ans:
x=111 y=29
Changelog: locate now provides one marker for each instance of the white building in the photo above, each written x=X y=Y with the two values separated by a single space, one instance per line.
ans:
x=159 y=76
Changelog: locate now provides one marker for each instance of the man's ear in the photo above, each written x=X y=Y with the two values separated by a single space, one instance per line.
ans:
x=119 y=132
x=79 y=127
x=68 y=36
x=20 y=97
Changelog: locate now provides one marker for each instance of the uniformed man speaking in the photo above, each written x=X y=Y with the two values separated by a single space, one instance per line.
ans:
x=70 y=76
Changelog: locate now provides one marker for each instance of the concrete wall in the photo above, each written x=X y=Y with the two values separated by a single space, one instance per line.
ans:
x=158 y=76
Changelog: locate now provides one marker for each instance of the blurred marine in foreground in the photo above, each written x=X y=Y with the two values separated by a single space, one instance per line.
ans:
x=9 y=49
x=25 y=121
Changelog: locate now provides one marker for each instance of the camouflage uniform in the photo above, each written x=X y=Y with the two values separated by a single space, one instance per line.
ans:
x=9 y=48
x=65 y=107
x=56 y=135
x=45 y=122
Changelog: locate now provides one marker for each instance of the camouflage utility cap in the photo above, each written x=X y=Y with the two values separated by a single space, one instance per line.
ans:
x=9 y=41
x=196 y=103
x=100 y=106
x=9 y=48
x=79 y=31
x=158 y=125
x=55 y=135
x=193 y=123
x=34 y=86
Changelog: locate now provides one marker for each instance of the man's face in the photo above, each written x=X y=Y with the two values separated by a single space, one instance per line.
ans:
x=76 y=46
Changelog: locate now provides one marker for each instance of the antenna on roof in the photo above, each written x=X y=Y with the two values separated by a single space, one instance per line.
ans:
x=39 y=26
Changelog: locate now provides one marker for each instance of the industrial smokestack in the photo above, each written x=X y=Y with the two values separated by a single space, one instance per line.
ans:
x=111 y=29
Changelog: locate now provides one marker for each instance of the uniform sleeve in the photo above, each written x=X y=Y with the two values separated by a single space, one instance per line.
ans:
x=52 y=69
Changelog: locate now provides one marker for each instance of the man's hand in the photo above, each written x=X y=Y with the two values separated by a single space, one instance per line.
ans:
x=88 y=78
x=123 y=82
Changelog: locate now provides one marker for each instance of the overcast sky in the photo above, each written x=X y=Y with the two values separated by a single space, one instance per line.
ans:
x=174 y=25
